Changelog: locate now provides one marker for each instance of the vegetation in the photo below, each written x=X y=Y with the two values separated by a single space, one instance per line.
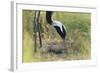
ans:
x=78 y=27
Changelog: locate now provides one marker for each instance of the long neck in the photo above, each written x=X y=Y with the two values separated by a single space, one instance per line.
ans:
x=49 y=17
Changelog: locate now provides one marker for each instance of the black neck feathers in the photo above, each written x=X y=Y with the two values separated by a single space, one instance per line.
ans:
x=49 y=17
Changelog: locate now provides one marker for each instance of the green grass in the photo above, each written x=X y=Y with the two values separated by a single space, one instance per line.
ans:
x=78 y=27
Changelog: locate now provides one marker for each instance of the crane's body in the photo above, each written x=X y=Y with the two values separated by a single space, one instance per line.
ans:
x=60 y=28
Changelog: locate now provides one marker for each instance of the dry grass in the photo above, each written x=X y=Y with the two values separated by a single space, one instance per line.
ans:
x=78 y=37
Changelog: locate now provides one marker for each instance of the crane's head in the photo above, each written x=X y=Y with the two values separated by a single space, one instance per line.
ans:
x=49 y=17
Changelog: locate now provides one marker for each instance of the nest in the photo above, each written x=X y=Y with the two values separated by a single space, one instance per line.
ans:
x=54 y=47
